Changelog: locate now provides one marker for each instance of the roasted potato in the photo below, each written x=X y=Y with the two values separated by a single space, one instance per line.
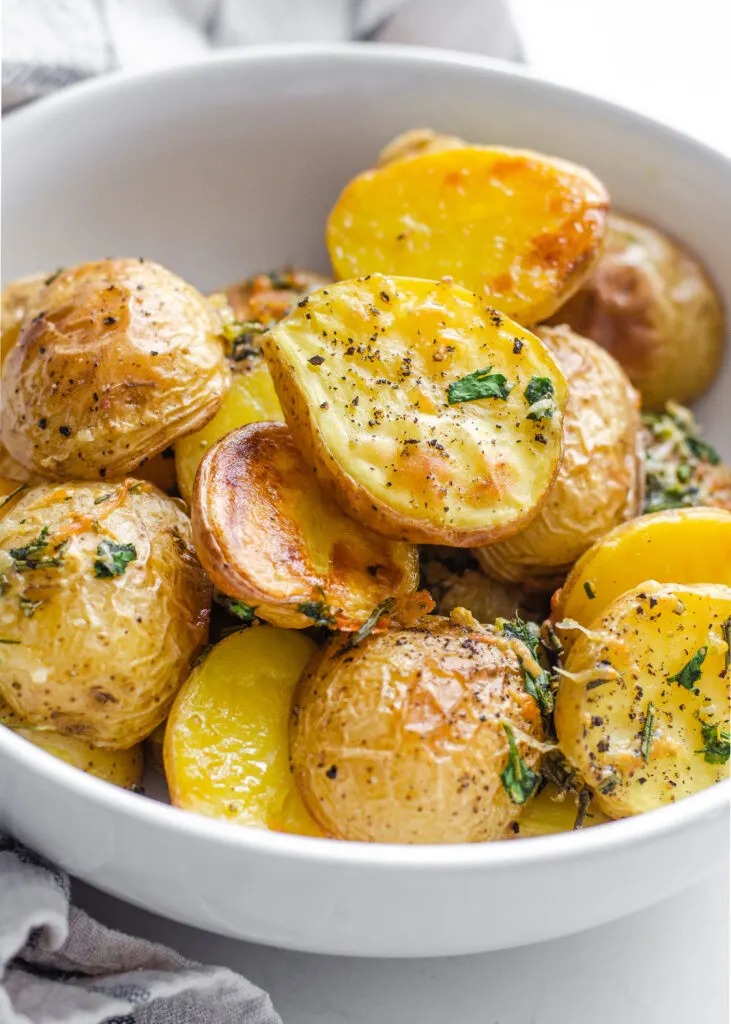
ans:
x=599 y=480
x=123 y=358
x=681 y=469
x=454 y=579
x=226 y=745
x=121 y=767
x=387 y=387
x=103 y=606
x=250 y=399
x=689 y=546
x=422 y=735
x=652 y=305
x=642 y=710
x=16 y=300
x=519 y=229
x=268 y=535
x=266 y=298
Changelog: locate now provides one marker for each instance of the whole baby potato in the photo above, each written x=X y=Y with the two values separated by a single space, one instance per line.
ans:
x=599 y=479
x=417 y=735
x=103 y=606
x=651 y=304
x=121 y=358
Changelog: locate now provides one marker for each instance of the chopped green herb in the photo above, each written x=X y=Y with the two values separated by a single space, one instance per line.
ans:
x=52 y=277
x=538 y=684
x=240 y=335
x=689 y=674
x=519 y=781
x=112 y=559
x=281 y=280
x=372 y=621
x=29 y=607
x=245 y=612
x=480 y=384
x=716 y=743
x=318 y=611
x=34 y=555
x=102 y=498
x=585 y=797
x=4 y=640
x=589 y=590
x=9 y=497
x=703 y=451
x=610 y=783
x=539 y=394
x=648 y=732
x=726 y=629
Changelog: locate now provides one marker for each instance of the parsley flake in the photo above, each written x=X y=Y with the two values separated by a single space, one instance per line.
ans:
x=245 y=612
x=539 y=394
x=648 y=732
x=589 y=590
x=716 y=743
x=519 y=781
x=112 y=559
x=480 y=384
x=318 y=611
x=689 y=674
x=371 y=622
x=34 y=554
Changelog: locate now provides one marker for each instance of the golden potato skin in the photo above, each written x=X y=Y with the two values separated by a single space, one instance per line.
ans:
x=400 y=739
x=123 y=357
x=267 y=534
x=653 y=307
x=520 y=229
x=623 y=671
x=689 y=546
x=364 y=372
x=599 y=479
x=98 y=656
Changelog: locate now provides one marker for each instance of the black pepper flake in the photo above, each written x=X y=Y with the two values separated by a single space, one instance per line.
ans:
x=154 y=352
x=316 y=360
x=332 y=772
x=109 y=320
x=385 y=296
x=66 y=431
x=517 y=346
x=43 y=422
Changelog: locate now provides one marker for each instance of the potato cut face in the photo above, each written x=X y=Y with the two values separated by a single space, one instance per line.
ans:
x=690 y=546
x=642 y=709
x=226 y=745
x=268 y=535
x=250 y=399
x=379 y=382
x=403 y=738
x=520 y=229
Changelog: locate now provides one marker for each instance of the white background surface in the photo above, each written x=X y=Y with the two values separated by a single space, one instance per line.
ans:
x=668 y=964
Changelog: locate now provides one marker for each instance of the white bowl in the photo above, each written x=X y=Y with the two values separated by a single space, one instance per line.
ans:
x=231 y=165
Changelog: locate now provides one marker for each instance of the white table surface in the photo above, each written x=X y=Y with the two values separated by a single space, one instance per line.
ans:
x=669 y=963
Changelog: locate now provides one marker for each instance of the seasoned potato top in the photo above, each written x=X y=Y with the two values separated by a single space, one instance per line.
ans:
x=121 y=358
x=520 y=229
x=433 y=417
x=644 y=699
x=103 y=604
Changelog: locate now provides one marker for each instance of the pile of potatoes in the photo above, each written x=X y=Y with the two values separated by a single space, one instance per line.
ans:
x=425 y=552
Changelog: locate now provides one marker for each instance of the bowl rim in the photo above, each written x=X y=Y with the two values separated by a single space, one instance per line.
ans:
x=651 y=825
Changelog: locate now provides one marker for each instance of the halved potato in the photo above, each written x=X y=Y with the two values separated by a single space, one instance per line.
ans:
x=422 y=735
x=122 y=358
x=599 y=479
x=226 y=746
x=642 y=710
x=250 y=399
x=653 y=306
x=520 y=229
x=690 y=545
x=268 y=535
x=412 y=401
x=121 y=767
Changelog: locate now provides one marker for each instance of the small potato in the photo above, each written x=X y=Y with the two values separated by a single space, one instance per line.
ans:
x=16 y=300
x=103 y=606
x=268 y=535
x=651 y=304
x=690 y=546
x=519 y=229
x=411 y=400
x=226 y=746
x=266 y=298
x=454 y=580
x=251 y=399
x=123 y=358
x=598 y=485
x=642 y=710
x=681 y=469
x=121 y=767
x=403 y=738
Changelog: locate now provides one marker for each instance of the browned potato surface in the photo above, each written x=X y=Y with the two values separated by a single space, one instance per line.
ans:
x=403 y=738
x=599 y=480
x=122 y=358
x=412 y=401
x=651 y=304
x=268 y=535
x=103 y=606
x=266 y=298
